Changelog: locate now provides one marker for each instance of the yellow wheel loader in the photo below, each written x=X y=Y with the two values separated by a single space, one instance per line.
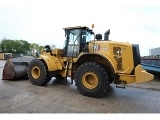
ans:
x=92 y=62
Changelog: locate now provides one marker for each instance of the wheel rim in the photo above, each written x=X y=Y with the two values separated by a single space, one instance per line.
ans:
x=35 y=72
x=90 y=80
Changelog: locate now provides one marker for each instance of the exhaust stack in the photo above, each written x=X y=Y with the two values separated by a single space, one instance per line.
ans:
x=106 y=35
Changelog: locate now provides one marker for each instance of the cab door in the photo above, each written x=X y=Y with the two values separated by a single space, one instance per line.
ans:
x=73 y=43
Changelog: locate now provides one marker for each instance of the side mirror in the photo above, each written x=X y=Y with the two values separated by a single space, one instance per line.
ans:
x=91 y=31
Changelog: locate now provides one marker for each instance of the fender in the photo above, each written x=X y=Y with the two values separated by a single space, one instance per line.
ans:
x=106 y=60
x=52 y=62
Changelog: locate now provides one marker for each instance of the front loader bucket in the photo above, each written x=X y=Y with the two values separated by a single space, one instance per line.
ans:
x=16 y=68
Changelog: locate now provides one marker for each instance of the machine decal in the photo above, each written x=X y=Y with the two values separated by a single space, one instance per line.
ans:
x=105 y=49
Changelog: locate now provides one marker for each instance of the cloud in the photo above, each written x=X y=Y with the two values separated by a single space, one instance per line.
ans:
x=42 y=21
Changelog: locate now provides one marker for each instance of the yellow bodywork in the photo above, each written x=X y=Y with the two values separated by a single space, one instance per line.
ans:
x=117 y=53
x=54 y=62
x=120 y=56
x=141 y=75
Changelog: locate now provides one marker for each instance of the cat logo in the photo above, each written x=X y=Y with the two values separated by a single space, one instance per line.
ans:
x=96 y=47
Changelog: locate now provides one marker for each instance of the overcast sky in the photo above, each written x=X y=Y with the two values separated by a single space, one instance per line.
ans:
x=41 y=21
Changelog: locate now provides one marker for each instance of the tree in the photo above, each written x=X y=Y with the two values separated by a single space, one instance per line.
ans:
x=2 y=45
x=15 y=46
x=34 y=48
x=19 y=46
x=7 y=45
x=25 y=46
x=40 y=48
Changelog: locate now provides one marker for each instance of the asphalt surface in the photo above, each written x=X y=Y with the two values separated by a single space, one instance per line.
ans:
x=20 y=96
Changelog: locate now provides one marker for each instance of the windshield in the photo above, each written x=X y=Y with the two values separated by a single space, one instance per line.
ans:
x=76 y=40
x=72 y=47
x=74 y=37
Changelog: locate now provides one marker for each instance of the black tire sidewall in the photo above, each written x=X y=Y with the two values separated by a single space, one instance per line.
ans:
x=99 y=71
x=42 y=77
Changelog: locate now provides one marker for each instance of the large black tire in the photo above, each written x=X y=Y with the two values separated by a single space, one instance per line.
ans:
x=91 y=79
x=38 y=73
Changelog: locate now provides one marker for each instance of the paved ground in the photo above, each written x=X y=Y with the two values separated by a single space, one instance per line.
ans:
x=22 y=97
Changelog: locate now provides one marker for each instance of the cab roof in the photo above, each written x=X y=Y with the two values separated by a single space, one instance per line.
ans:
x=76 y=27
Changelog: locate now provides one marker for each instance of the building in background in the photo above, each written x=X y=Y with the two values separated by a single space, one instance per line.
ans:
x=2 y=56
x=5 y=56
x=154 y=51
